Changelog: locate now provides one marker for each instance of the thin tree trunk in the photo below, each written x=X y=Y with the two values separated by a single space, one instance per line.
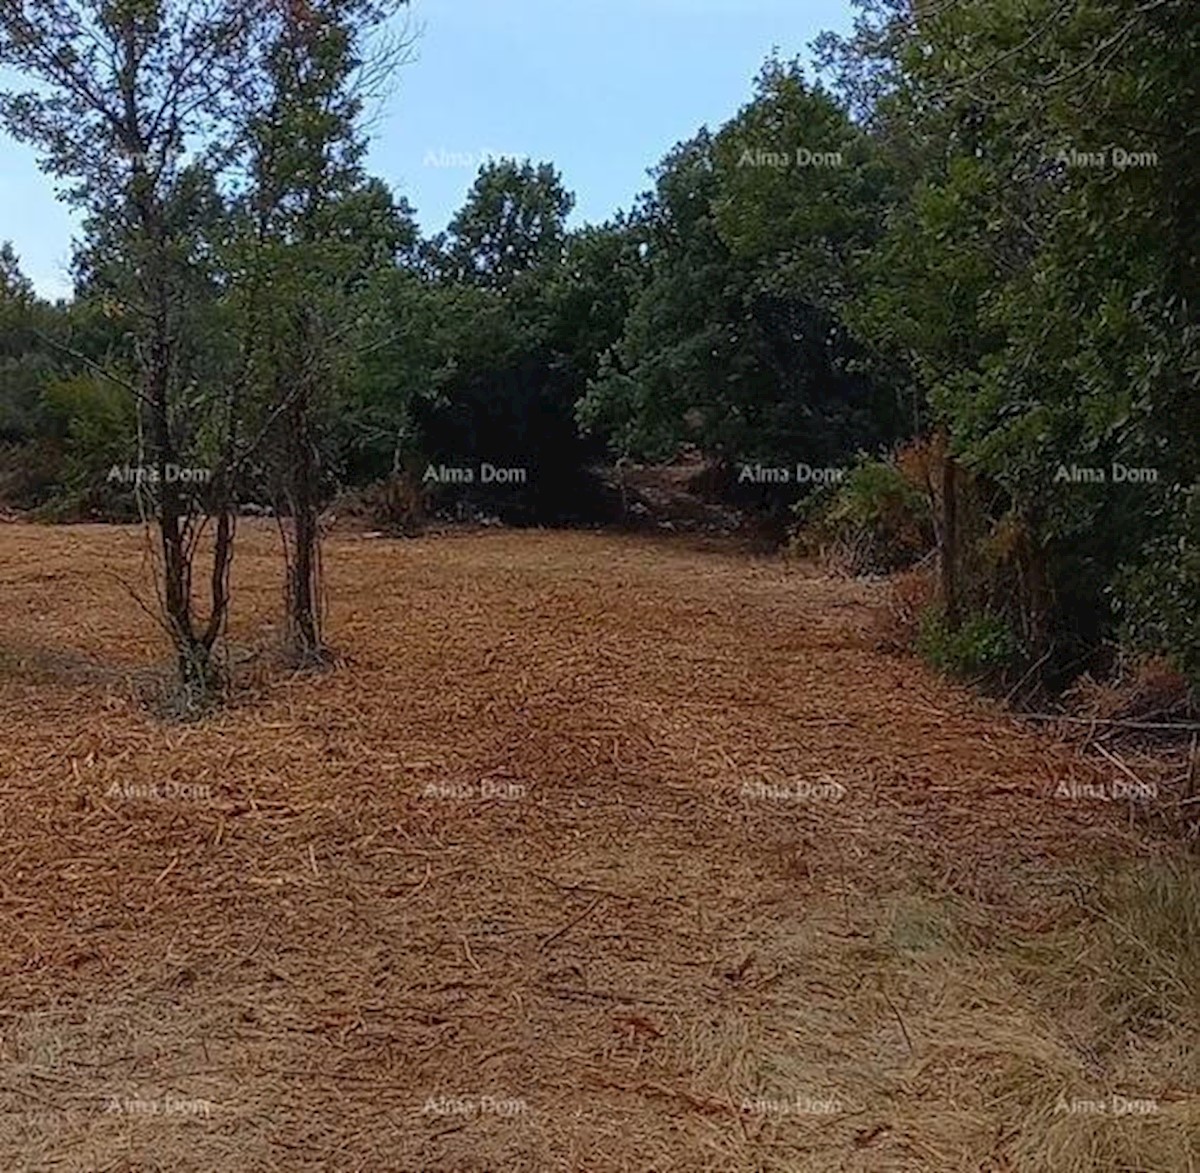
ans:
x=304 y=621
x=192 y=655
x=950 y=593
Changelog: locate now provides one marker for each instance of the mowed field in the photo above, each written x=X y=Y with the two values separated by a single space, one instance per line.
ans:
x=594 y=853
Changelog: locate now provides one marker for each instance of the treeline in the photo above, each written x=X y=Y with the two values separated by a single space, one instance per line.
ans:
x=507 y=340
x=958 y=274
x=1036 y=282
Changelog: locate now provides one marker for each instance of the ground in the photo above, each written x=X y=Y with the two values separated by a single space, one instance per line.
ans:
x=593 y=853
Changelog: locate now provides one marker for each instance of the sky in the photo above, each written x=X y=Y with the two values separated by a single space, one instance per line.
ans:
x=601 y=88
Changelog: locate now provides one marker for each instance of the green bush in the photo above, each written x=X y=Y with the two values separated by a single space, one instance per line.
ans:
x=1157 y=598
x=97 y=421
x=875 y=519
x=983 y=643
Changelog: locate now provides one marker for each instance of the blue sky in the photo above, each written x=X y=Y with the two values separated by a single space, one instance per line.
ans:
x=601 y=88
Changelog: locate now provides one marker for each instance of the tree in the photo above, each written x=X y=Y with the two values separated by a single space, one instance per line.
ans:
x=483 y=351
x=27 y=359
x=1037 y=276
x=733 y=344
x=514 y=221
x=309 y=205
x=124 y=92
x=15 y=287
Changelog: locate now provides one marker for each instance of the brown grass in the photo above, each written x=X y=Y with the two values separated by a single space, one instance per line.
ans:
x=1147 y=689
x=630 y=953
x=907 y=596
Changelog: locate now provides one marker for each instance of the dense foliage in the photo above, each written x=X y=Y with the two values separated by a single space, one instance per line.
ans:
x=981 y=227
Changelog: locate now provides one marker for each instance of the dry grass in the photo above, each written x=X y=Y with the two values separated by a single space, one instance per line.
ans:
x=1146 y=690
x=516 y=886
x=907 y=596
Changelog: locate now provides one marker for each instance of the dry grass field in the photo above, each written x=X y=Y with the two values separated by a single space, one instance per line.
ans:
x=594 y=853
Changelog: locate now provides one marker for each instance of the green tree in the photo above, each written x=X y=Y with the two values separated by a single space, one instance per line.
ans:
x=317 y=230
x=514 y=221
x=733 y=344
x=117 y=93
x=1037 y=276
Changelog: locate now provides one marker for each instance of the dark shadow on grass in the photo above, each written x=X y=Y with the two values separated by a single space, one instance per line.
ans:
x=34 y=664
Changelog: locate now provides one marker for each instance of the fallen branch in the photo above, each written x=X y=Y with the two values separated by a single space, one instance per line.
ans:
x=1020 y=683
x=572 y=923
x=899 y=1020
x=1116 y=761
x=1181 y=726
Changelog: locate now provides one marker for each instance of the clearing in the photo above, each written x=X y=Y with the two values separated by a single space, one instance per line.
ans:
x=597 y=853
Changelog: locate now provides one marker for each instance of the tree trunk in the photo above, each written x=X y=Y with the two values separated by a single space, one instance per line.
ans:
x=303 y=593
x=950 y=592
x=193 y=654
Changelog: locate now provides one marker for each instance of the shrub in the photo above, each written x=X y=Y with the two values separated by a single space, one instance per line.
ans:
x=98 y=423
x=1156 y=598
x=875 y=521
x=910 y=593
x=983 y=644
x=29 y=472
